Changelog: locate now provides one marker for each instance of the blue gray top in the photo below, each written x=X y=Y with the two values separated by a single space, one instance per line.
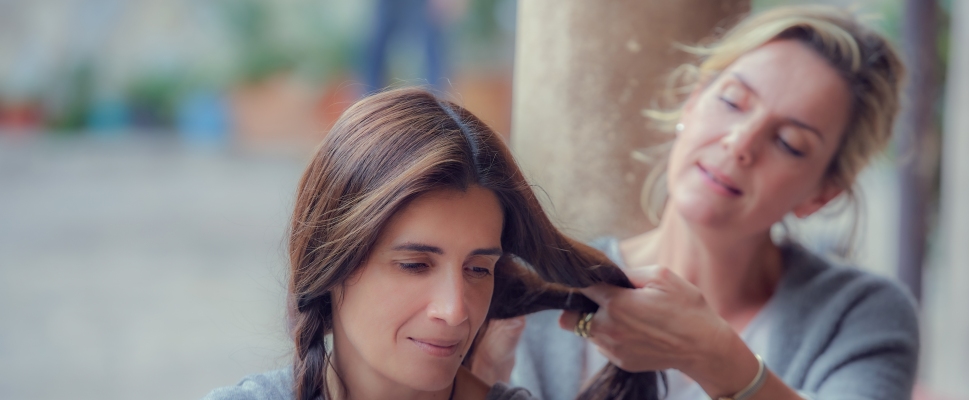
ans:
x=278 y=385
x=830 y=331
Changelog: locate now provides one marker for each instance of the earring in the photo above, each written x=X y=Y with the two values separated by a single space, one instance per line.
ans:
x=679 y=127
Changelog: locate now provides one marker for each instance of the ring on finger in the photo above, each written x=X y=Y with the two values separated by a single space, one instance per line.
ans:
x=583 y=327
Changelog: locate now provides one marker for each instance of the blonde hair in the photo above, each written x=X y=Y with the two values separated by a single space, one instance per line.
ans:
x=870 y=66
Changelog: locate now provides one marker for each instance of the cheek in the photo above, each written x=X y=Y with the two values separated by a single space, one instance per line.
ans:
x=479 y=302
x=676 y=160
x=782 y=189
x=683 y=156
x=376 y=305
x=683 y=148
x=698 y=135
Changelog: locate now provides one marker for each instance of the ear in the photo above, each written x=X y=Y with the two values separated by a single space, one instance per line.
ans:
x=827 y=192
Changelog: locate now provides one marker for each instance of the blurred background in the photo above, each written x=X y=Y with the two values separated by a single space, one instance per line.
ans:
x=149 y=152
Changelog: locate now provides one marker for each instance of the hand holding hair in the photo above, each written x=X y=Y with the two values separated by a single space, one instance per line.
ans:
x=665 y=323
x=495 y=355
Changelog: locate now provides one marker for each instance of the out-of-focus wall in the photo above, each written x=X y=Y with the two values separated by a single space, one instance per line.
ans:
x=263 y=75
x=946 y=361
x=149 y=152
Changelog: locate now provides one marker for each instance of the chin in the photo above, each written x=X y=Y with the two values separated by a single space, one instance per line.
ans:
x=427 y=378
x=699 y=210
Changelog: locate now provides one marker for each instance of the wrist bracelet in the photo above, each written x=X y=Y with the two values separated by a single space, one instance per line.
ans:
x=754 y=386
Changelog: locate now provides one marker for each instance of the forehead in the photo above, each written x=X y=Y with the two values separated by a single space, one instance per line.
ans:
x=793 y=81
x=471 y=218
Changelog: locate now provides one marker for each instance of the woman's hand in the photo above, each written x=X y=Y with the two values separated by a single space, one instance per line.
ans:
x=495 y=356
x=666 y=323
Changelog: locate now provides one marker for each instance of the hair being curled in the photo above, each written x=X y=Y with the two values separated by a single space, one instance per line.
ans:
x=385 y=151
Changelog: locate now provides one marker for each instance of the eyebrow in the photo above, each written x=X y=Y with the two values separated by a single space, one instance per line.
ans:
x=807 y=127
x=494 y=251
x=426 y=248
x=418 y=247
x=792 y=121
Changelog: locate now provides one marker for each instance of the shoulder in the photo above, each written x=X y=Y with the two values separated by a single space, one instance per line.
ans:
x=272 y=385
x=818 y=282
x=843 y=308
x=837 y=325
x=500 y=391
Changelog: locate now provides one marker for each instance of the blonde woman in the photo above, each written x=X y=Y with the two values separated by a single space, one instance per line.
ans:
x=785 y=110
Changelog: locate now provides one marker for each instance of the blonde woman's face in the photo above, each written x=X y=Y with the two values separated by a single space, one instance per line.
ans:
x=758 y=139
x=409 y=314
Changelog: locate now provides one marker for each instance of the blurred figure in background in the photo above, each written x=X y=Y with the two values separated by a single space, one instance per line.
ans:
x=421 y=20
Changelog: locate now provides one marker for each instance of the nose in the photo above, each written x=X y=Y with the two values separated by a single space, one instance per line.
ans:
x=448 y=299
x=743 y=139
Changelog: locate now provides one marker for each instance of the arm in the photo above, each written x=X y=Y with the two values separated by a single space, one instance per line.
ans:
x=665 y=323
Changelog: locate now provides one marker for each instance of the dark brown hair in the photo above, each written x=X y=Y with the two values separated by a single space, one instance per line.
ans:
x=385 y=151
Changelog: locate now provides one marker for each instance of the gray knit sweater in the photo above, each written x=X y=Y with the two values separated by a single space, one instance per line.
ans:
x=278 y=385
x=837 y=333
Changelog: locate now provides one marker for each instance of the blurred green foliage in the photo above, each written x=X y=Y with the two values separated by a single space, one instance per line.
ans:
x=251 y=24
x=76 y=89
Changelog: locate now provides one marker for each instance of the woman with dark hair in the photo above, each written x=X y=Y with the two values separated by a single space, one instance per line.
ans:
x=413 y=227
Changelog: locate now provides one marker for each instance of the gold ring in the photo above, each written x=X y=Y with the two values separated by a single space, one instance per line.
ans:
x=583 y=327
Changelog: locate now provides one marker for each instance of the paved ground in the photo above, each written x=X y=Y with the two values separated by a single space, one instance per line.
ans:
x=138 y=268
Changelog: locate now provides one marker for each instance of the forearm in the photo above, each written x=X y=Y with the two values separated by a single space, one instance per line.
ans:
x=727 y=370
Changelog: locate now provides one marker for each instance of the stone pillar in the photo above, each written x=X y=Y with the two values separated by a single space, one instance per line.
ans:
x=585 y=71
x=912 y=135
x=946 y=349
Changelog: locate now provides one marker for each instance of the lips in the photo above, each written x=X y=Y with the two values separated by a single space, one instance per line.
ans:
x=436 y=347
x=721 y=180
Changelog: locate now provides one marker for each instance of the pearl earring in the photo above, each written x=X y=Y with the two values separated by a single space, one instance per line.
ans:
x=680 y=127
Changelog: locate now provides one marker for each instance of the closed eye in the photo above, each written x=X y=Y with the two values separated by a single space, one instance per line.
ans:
x=787 y=147
x=414 y=268
x=730 y=104
x=478 y=272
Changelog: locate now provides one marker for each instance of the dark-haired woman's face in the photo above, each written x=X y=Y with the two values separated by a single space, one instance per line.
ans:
x=758 y=140
x=409 y=314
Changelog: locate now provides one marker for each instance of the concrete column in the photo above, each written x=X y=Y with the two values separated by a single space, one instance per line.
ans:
x=912 y=135
x=585 y=71
x=946 y=349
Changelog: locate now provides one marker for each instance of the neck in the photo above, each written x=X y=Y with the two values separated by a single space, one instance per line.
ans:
x=350 y=378
x=736 y=273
